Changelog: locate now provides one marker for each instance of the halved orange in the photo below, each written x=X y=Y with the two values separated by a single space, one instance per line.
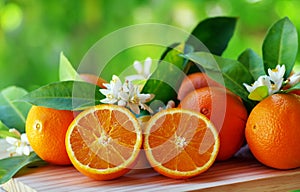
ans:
x=180 y=143
x=104 y=141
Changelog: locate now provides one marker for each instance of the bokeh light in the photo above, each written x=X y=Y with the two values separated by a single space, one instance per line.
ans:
x=33 y=33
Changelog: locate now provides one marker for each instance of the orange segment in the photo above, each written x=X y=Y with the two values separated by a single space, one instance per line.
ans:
x=180 y=143
x=103 y=142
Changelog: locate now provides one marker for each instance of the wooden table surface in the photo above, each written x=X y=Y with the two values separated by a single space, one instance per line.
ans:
x=237 y=174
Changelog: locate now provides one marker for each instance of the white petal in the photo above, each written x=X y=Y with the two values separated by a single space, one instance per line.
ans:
x=11 y=149
x=273 y=77
x=124 y=96
x=122 y=103
x=134 y=77
x=276 y=86
x=11 y=140
x=118 y=85
x=272 y=74
x=15 y=131
x=144 y=97
x=262 y=80
x=281 y=71
x=294 y=79
x=105 y=91
x=116 y=90
x=277 y=73
x=107 y=85
x=125 y=87
x=138 y=67
x=115 y=78
x=109 y=101
x=131 y=87
x=248 y=87
x=24 y=138
x=147 y=67
x=26 y=150
x=19 y=150
x=115 y=83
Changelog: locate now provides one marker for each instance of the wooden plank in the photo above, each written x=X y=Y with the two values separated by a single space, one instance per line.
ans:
x=242 y=173
x=278 y=183
x=232 y=175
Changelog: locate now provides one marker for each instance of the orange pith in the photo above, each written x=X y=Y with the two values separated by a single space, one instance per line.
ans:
x=180 y=143
x=103 y=142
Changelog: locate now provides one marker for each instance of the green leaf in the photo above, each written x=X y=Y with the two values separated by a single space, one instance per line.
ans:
x=228 y=72
x=11 y=165
x=5 y=133
x=13 y=112
x=259 y=93
x=253 y=62
x=168 y=49
x=280 y=46
x=166 y=79
x=211 y=35
x=66 y=70
x=293 y=88
x=3 y=126
x=65 y=95
x=214 y=33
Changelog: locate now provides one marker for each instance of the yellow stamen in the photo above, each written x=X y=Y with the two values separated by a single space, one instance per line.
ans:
x=135 y=99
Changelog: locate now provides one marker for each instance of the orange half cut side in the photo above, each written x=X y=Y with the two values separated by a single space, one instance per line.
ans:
x=180 y=143
x=103 y=142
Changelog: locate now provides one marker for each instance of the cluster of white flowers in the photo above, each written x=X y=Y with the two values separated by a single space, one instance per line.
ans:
x=274 y=81
x=127 y=95
x=18 y=146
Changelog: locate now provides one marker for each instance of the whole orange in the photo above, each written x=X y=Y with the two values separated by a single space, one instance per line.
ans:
x=195 y=81
x=226 y=111
x=273 y=131
x=46 y=130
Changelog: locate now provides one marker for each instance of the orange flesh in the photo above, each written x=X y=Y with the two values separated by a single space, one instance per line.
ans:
x=177 y=142
x=106 y=146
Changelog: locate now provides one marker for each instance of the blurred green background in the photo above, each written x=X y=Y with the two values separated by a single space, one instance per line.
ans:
x=33 y=33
